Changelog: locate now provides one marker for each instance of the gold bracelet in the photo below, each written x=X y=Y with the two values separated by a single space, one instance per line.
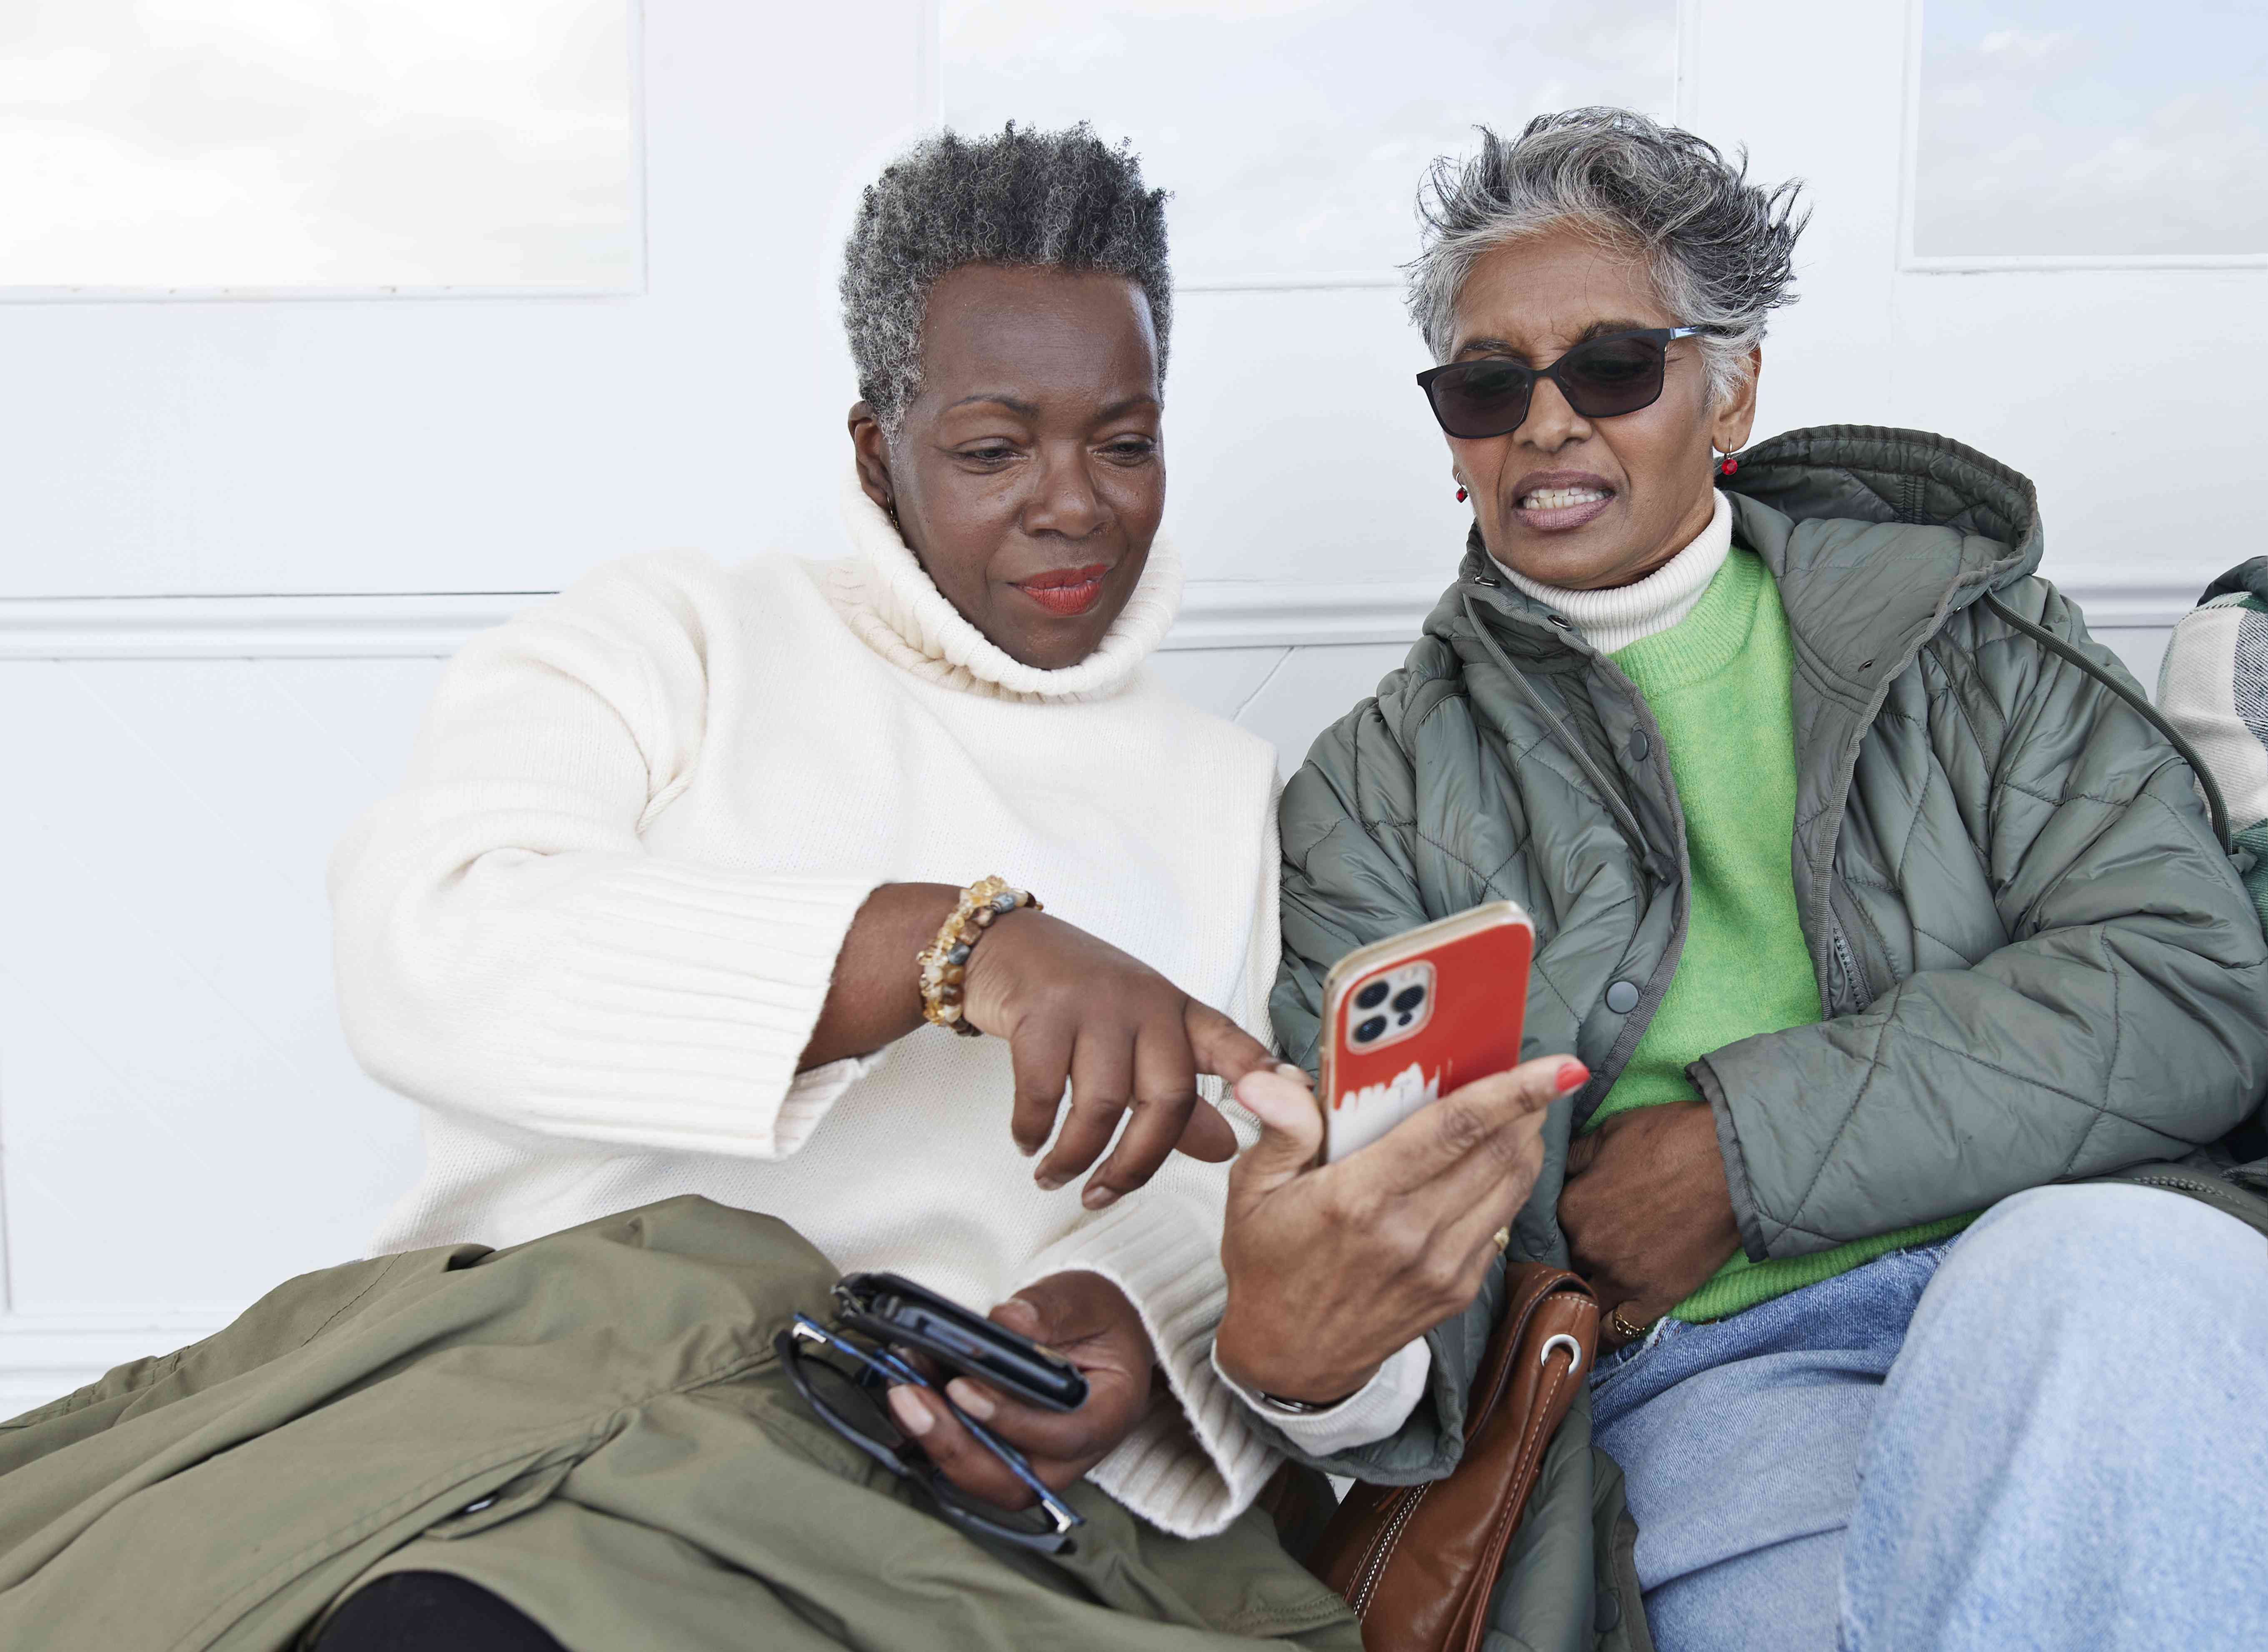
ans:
x=944 y=962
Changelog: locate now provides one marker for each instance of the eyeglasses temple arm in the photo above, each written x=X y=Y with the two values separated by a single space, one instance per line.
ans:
x=890 y=1367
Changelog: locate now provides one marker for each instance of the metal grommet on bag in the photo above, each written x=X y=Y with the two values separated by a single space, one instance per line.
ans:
x=1574 y=1352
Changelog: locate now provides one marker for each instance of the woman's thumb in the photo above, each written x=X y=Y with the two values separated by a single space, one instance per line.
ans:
x=1290 y=1131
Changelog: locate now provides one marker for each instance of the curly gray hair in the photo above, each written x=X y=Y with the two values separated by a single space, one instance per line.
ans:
x=1050 y=200
x=1721 y=248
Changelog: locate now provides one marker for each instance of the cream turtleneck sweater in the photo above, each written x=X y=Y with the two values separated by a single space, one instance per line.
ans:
x=1618 y=617
x=593 y=931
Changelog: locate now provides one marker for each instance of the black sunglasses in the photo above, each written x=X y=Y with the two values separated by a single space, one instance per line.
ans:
x=1615 y=373
x=853 y=1404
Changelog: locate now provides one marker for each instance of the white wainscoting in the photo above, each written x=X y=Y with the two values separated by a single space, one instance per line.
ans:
x=181 y=1123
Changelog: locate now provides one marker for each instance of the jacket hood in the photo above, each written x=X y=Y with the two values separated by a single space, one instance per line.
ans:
x=1865 y=473
x=1873 y=536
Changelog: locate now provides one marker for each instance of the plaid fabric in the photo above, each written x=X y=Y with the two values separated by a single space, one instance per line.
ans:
x=2213 y=687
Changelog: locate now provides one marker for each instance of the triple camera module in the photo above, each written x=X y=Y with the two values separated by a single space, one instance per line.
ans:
x=1389 y=1007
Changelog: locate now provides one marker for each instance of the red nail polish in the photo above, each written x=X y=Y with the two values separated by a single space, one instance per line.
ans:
x=1573 y=1075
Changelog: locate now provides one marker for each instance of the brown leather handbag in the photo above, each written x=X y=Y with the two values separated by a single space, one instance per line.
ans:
x=1418 y=1563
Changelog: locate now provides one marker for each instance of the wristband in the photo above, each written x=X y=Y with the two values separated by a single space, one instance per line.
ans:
x=944 y=962
x=1296 y=1407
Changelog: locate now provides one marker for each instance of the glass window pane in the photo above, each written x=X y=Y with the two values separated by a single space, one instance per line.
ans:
x=295 y=144
x=2076 y=127
x=1293 y=132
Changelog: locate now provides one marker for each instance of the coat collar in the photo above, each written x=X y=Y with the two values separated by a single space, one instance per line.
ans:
x=1873 y=535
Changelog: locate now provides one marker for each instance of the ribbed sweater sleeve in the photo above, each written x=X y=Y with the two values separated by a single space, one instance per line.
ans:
x=507 y=946
x=1190 y=1468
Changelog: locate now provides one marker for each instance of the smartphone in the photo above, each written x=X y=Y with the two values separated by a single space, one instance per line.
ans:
x=893 y=1309
x=1411 y=1018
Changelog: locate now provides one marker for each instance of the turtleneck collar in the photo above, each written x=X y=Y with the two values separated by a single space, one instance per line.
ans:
x=884 y=594
x=1615 y=618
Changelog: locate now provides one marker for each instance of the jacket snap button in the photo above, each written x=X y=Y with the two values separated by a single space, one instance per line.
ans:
x=1622 y=998
x=1639 y=745
x=1560 y=620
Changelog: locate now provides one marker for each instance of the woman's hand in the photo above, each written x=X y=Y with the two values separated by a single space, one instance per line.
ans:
x=1073 y=1007
x=1086 y=1319
x=1646 y=1212
x=1331 y=1269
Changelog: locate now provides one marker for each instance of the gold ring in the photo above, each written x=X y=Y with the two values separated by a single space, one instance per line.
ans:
x=1502 y=1239
x=1623 y=1329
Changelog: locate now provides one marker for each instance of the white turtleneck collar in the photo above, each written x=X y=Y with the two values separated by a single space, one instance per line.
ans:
x=884 y=594
x=1615 y=618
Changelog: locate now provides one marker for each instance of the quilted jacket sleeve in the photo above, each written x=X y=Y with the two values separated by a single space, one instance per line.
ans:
x=1348 y=880
x=2121 y=1022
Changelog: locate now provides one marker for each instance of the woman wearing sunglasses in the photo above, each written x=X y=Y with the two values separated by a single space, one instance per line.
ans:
x=1874 y=901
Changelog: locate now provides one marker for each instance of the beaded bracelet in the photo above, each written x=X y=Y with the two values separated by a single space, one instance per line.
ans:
x=944 y=961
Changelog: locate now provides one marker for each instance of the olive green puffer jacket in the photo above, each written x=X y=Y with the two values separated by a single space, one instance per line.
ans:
x=2035 y=961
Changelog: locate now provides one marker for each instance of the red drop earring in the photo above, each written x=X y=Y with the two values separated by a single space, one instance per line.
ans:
x=1728 y=467
x=1461 y=496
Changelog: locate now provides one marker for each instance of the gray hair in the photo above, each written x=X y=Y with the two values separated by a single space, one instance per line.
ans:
x=1043 y=200
x=1721 y=248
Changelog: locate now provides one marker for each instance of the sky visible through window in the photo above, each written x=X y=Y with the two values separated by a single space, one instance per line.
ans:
x=292 y=144
x=1293 y=133
x=2091 y=127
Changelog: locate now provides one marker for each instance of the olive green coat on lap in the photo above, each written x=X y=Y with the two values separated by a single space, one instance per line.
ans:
x=2034 y=963
x=655 y=1482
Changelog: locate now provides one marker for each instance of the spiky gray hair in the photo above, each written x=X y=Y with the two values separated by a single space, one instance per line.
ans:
x=1046 y=199
x=1722 y=250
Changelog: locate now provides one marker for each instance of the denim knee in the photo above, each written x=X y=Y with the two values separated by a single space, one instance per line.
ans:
x=2100 y=1245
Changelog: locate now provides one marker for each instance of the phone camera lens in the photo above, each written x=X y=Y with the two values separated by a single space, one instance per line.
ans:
x=1403 y=1019
x=1370 y=1029
x=1409 y=998
x=1371 y=996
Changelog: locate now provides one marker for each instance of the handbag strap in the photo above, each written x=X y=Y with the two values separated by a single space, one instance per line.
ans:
x=1548 y=1368
x=1526 y=1286
x=1418 y=1563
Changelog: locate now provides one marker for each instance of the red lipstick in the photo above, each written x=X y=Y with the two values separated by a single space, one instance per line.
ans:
x=1066 y=591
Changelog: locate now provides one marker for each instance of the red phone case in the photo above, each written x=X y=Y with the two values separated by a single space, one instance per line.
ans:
x=1388 y=1053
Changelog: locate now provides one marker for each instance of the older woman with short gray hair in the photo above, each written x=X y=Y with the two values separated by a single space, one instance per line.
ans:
x=1875 y=899
x=688 y=894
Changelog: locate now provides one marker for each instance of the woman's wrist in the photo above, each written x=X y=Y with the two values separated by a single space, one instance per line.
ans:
x=942 y=966
x=875 y=998
x=1283 y=1380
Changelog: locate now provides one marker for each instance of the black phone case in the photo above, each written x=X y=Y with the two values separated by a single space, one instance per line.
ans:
x=896 y=1309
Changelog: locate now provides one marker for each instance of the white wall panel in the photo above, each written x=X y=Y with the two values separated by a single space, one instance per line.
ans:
x=2139 y=416
x=182 y=1122
x=444 y=444
x=1277 y=398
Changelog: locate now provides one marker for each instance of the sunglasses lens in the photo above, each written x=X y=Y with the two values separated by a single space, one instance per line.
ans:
x=1481 y=398
x=856 y=1410
x=1612 y=375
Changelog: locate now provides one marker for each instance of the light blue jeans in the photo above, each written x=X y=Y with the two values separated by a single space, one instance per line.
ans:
x=2050 y=1431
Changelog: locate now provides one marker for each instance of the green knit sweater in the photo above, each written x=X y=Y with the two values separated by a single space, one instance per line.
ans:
x=1718 y=683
